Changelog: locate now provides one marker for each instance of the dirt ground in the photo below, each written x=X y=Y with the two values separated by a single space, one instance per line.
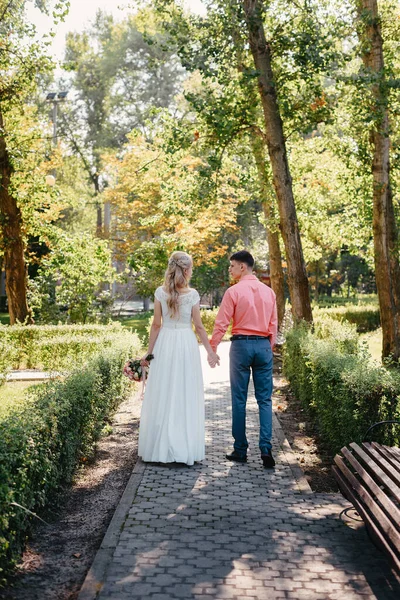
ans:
x=308 y=447
x=61 y=551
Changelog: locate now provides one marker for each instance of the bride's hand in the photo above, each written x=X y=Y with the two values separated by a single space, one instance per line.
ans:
x=213 y=359
x=144 y=362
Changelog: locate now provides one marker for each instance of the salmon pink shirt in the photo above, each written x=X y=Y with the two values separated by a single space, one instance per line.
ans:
x=252 y=306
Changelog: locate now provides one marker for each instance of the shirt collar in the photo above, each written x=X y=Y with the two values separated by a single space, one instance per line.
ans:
x=251 y=276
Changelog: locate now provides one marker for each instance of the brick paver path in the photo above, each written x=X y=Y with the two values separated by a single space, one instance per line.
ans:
x=224 y=530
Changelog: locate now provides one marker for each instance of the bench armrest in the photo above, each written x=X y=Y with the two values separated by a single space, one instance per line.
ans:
x=376 y=425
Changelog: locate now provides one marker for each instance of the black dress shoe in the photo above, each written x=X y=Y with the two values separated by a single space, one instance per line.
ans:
x=236 y=457
x=268 y=460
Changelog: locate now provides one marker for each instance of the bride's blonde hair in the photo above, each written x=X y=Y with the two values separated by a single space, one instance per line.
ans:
x=176 y=279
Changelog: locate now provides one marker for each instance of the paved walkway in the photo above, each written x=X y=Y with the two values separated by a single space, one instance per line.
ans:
x=223 y=530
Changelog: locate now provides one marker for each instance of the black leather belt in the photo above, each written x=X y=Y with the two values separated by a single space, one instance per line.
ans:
x=249 y=337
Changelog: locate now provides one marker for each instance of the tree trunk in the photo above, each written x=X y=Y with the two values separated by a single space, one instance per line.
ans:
x=297 y=276
x=99 y=207
x=387 y=270
x=317 y=281
x=275 y=256
x=12 y=241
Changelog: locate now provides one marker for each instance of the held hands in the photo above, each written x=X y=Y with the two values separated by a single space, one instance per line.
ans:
x=213 y=359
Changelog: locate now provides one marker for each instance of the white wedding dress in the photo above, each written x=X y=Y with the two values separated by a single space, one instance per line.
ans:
x=172 y=419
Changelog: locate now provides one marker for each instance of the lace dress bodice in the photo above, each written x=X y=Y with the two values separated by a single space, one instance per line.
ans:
x=186 y=302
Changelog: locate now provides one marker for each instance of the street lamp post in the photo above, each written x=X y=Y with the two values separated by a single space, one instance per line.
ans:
x=55 y=98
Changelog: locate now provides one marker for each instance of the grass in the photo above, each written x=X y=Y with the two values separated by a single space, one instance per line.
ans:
x=139 y=323
x=12 y=393
x=358 y=300
x=373 y=340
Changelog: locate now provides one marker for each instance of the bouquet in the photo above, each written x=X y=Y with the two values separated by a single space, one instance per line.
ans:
x=134 y=370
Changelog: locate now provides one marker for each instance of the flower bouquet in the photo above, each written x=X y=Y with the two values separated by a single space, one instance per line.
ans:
x=134 y=370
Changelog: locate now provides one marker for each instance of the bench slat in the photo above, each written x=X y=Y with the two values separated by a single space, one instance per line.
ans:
x=395 y=452
x=374 y=531
x=391 y=509
x=375 y=514
x=389 y=455
x=385 y=465
x=376 y=470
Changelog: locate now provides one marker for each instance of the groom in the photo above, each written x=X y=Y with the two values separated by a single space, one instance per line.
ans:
x=252 y=306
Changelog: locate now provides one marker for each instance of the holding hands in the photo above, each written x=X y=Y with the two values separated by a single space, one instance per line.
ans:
x=212 y=359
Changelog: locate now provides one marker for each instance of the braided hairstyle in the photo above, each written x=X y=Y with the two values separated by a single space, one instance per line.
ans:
x=176 y=279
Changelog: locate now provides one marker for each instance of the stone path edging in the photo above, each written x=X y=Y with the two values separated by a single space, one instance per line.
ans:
x=95 y=576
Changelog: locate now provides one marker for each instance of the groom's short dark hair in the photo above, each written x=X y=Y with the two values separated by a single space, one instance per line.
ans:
x=244 y=257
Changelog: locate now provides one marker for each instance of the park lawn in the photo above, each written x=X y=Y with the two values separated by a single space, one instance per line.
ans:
x=4 y=318
x=374 y=343
x=12 y=393
x=139 y=323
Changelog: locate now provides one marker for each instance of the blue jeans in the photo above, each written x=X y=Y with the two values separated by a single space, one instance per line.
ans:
x=255 y=355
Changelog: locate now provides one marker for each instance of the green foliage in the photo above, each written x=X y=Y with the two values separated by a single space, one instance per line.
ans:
x=211 y=278
x=121 y=73
x=365 y=317
x=208 y=318
x=44 y=438
x=8 y=353
x=12 y=394
x=139 y=324
x=58 y=347
x=149 y=265
x=336 y=381
x=67 y=287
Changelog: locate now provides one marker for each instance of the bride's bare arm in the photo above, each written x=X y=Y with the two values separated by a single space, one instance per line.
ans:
x=201 y=332
x=155 y=328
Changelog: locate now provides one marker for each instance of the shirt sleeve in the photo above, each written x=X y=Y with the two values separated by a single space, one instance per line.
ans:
x=195 y=297
x=273 y=324
x=157 y=294
x=224 y=317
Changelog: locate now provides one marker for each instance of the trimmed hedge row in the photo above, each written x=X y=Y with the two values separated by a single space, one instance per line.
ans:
x=208 y=319
x=43 y=439
x=55 y=347
x=337 y=382
x=366 y=318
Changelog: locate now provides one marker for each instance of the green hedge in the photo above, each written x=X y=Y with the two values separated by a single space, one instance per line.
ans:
x=8 y=354
x=43 y=439
x=208 y=319
x=343 y=390
x=55 y=347
x=365 y=317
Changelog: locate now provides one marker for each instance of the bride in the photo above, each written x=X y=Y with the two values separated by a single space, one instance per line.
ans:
x=172 y=419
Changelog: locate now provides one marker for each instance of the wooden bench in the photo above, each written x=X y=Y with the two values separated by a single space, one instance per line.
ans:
x=368 y=475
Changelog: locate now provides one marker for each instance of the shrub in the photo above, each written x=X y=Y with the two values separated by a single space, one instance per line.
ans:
x=43 y=439
x=364 y=317
x=68 y=284
x=341 y=388
x=8 y=354
x=208 y=318
x=55 y=346
x=343 y=334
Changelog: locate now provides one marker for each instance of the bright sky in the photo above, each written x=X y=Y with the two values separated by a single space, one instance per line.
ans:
x=82 y=11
